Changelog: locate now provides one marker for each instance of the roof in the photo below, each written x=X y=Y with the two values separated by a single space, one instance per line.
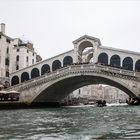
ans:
x=6 y=36
x=120 y=50
x=87 y=37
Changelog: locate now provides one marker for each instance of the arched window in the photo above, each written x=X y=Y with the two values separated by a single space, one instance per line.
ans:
x=15 y=80
x=137 y=65
x=45 y=69
x=34 y=73
x=67 y=61
x=56 y=65
x=103 y=58
x=24 y=76
x=128 y=63
x=17 y=58
x=115 y=60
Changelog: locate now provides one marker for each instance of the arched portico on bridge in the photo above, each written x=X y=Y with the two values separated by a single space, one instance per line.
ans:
x=59 y=89
x=82 y=48
x=67 y=61
x=44 y=68
x=24 y=77
x=103 y=58
x=115 y=60
x=15 y=80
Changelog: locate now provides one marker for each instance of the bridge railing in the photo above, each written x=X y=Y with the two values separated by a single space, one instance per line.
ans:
x=117 y=70
x=127 y=72
x=137 y=74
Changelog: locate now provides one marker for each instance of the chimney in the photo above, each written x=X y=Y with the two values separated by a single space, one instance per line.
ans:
x=3 y=28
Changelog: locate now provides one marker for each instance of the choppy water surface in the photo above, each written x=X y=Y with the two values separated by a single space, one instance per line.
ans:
x=71 y=123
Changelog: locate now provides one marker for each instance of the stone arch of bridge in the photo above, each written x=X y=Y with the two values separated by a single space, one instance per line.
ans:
x=14 y=80
x=115 y=60
x=89 y=57
x=56 y=65
x=103 y=58
x=68 y=60
x=128 y=63
x=24 y=77
x=45 y=69
x=82 y=49
x=35 y=73
x=137 y=66
x=60 y=89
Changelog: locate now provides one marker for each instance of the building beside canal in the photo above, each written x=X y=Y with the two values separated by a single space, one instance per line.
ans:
x=15 y=54
x=99 y=92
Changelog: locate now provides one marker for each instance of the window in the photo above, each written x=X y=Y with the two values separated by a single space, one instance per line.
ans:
x=7 y=61
x=17 y=50
x=0 y=36
x=33 y=54
x=27 y=59
x=7 y=74
x=7 y=50
x=17 y=58
x=27 y=51
x=8 y=40
x=17 y=67
x=32 y=61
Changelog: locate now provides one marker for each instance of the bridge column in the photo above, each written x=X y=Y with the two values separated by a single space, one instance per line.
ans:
x=75 y=53
x=109 y=59
x=29 y=75
x=121 y=61
x=134 y=62
x=133 y=66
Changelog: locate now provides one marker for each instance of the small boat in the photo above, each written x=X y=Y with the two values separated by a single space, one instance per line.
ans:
x=133 y=101
x=101 y=103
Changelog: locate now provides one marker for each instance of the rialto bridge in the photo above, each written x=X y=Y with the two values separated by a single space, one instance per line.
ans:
x=88 y=63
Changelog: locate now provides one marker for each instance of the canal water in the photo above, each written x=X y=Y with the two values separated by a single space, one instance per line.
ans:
x=71 y=123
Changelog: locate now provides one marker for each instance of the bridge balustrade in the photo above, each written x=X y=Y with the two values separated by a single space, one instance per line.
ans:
x=127 y=72
x=137 y=74
x=114 y=69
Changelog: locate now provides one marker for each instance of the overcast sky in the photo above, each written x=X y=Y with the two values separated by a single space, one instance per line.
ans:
x=52 y=25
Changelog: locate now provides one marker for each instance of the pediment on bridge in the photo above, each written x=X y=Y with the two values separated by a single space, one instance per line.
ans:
x=84 y=37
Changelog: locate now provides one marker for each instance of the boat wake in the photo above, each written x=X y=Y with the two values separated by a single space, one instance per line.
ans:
x=116 y=104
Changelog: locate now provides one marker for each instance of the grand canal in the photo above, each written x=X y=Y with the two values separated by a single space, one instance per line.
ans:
x=71 y=123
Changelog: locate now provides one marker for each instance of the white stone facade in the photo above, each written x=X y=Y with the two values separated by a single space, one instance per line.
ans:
x=15 y=54
x=27 y=56
x=11 y=49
